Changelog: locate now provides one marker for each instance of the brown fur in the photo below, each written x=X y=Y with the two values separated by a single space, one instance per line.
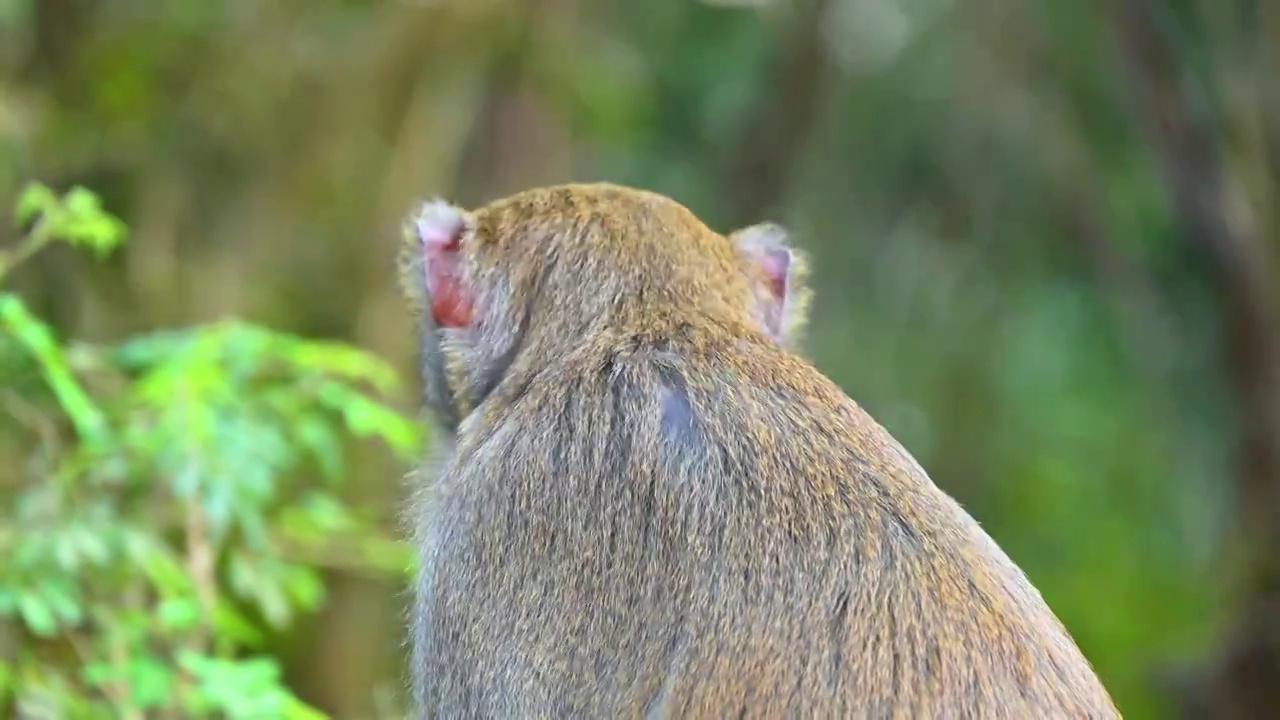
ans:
x=650 y=508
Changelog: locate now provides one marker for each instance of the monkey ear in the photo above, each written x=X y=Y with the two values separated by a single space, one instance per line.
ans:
x=783 y=298
x=441 y=228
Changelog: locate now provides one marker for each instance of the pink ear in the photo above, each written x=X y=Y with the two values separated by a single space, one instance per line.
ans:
x=440 y=229
x=775 y=262
x=765 y=247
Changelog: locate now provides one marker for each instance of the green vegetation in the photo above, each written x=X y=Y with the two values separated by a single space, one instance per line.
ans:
x=161 y=519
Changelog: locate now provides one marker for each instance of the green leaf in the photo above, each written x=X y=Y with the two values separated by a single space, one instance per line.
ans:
x=365 y=417
x=182 y=613
x=242 y=688
x=158 y=564
x=295 y=709
x=38 y=340
x=332 y=358
x=251 y=581
x=62 y=600
x=151 y=348
x=317 y=436
x=317 y=515
x=388 y=555
x=150 y=681
x=231 y=625
x=36 y=200
x=85 y=224
x=303 y=586
x=37 y=615
x=90 y=545
x=101 y=673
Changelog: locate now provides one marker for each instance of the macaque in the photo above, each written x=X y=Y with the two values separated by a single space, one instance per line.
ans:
x=648 y=504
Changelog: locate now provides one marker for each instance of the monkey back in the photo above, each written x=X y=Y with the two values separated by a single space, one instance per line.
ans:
x=652 y=507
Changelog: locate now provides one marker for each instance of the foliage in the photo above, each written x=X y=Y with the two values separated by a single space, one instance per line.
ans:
x=167 y=517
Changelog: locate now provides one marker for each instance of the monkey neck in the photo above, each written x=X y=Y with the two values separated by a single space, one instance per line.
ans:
x=586 y=347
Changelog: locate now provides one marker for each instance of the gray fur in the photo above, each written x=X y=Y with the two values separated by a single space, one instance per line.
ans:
x=680 y=518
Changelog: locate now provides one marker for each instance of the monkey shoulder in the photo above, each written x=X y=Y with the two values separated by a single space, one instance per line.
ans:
x=799 y=508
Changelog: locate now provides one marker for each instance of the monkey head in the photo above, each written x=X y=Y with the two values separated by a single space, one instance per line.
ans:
x=530 y=275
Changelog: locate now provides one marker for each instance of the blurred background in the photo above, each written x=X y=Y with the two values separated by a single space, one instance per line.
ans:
x=1042 y=234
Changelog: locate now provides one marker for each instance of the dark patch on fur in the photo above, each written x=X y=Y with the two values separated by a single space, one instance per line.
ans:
x=902 y=525
x=839 y=621
x=621 y=388
x=678 y=423
x=439 y=395
x=489 y=379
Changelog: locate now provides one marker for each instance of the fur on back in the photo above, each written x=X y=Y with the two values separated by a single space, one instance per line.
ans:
x=740 y=573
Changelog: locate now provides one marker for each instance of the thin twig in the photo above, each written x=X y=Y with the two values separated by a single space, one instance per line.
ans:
x=30 y=245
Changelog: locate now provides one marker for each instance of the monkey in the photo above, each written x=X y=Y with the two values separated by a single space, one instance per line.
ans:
x=651 y=505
